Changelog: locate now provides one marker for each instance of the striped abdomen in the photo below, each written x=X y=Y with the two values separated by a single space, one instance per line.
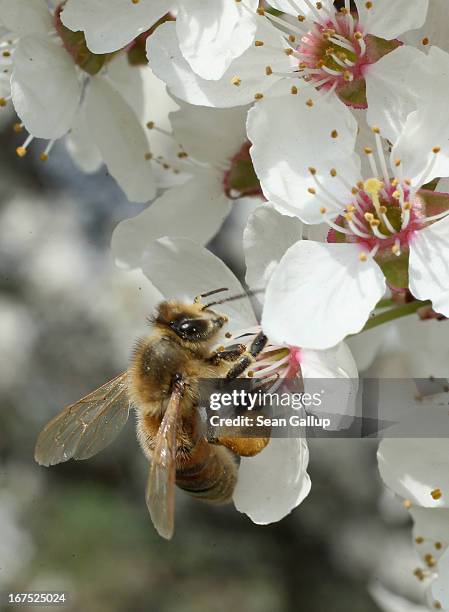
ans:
x=209 y=473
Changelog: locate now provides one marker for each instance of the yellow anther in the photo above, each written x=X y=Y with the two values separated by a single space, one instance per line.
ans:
x=334 y=134
x=288 y=51
x=17 y=127
x=323 y=210
x=436 y=150
x=397 y=163
x=438 y=545
x=419 y=540
x=309 y=103
x=294 y=90
x=3 y=102
x=150 y=125
x=436 y=494
x=363 y=256
x=312 y=170
x=236 y=80
x=43 y=157
x=259 y=43
x=375 y=130
x=407 y=504
x=311 y=190
x=21 y=151
x=425 y=41
x=383 y=210
x=333 y=172
x=258 y=96
x=368 y=150
x=407 y=206
x=292 y=38
x=430 y=560
x=268 y=70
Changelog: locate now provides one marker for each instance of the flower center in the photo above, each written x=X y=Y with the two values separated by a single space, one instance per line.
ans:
x=334 y=53
x=274 y=364
x=381 y=217
x=240 y=179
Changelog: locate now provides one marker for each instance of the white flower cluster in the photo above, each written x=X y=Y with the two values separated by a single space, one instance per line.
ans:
x=332 y=116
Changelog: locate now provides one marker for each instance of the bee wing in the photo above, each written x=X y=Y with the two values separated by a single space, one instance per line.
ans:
x=160 y=493
x=86 y=427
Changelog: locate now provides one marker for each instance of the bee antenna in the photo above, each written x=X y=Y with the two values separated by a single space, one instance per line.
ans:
x=234 y=297
x=213 y=292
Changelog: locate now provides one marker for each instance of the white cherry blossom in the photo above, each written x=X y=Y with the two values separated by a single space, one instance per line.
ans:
x=382 y=227
x=210 y=155
x=54 y=96
x=313 y=44
x=211 y=34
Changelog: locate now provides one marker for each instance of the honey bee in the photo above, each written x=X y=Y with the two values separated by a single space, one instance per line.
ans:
x=162 y=385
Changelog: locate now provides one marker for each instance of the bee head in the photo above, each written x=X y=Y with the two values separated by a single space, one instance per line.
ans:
x=190 y=322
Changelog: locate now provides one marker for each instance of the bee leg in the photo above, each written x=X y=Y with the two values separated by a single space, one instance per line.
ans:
x=230 y=354
x=258 y=344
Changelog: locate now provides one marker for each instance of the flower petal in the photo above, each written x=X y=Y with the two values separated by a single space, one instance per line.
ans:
x=416 y=468
x=45 y=87
x=266 y=237
x=303 y=140
x=24 y=17
x=429 y=265
x=180 y=268
x=390 y=19
x=271 y=484
x=340 y=395
x=428 y=126
x=430 y=530
x=391 y=90
x=439 y=588
x=120 y=139
x=210 y=135
x=82 y=149
x=110 y=25
x=194 y=210
x=168 y=63
x=211 y=34
x=434 y=28
x=299 y=7
x=319 y=294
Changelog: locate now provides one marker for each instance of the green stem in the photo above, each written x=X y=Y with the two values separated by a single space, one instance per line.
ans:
x=385 y=303
x=394 y=313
